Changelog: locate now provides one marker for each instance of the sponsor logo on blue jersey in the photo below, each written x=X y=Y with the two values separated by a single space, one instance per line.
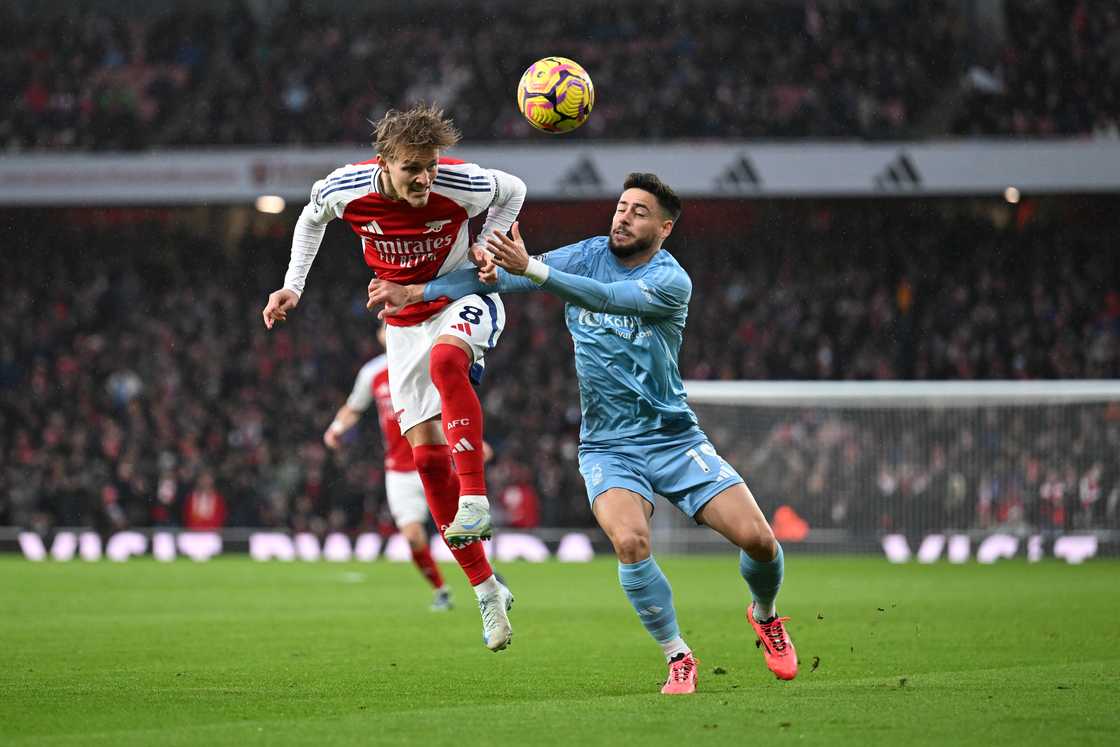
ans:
x=626 y=327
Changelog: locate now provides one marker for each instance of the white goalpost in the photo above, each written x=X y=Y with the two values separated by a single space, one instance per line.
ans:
x=853 y=462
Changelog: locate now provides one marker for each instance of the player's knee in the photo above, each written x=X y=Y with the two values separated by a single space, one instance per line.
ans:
x=758 y=541
x=432 y=462
x=446 y=361
x=414 y=533
x=630 y=545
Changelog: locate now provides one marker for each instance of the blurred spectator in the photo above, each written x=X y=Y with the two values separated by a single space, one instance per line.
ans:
x=205 y=508
x=519 y=500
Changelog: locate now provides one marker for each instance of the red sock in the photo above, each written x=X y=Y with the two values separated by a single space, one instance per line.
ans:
x=462 y=415
x=423 y=560
x=441 y=488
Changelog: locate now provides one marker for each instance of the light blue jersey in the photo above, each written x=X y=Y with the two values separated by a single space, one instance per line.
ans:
x=638 y=431
x=627 y=327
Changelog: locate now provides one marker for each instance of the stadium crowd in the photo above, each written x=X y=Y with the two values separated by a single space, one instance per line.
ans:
x=302 y=75
x=105 y=80
x=138 y=386
x=1058 y=73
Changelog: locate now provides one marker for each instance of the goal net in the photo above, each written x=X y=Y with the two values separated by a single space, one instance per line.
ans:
x=854 y=461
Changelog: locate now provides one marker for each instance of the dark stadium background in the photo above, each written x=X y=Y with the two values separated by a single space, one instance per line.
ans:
x=133 y=361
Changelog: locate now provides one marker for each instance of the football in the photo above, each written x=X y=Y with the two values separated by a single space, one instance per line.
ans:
x=556 y=95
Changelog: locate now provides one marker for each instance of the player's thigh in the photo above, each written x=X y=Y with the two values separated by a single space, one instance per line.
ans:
x=405 y=493
x=621 y=497
x=415 y=399
x=689 y=472
x=477 y=321
x=624 y=517
x=735 y=514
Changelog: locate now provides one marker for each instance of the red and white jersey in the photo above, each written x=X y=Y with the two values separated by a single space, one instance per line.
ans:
x=372 y=385
x=404 y=244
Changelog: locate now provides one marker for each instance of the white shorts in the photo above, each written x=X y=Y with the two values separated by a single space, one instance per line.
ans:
x=478 y=320
x=407 y=503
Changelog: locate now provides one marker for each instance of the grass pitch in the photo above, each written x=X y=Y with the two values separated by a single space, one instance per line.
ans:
x=237 y=652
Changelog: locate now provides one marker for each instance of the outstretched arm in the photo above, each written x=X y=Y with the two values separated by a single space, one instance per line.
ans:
x=465 y=282
x=453 y=285
x=306 y=238
x=646 y=297
x=343 y=421
x=361 y=397
x=489 y=278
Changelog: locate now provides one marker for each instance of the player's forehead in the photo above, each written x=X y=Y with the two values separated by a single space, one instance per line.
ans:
x=638 y=198
x=415 y=157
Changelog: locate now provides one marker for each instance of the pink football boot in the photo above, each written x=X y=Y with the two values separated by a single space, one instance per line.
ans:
x=682 y=676
x=778 y=649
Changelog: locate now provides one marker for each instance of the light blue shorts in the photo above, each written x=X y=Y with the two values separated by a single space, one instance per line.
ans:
x=683 y=467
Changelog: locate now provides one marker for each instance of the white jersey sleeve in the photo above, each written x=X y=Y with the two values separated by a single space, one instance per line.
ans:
x=361 y=396
x=509 y=196
x=329 y=198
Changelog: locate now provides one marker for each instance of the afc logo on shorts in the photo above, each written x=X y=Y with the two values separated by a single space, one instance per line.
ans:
x=596 y=475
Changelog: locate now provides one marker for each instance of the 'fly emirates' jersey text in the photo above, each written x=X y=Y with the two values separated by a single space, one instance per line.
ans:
x=401 y=243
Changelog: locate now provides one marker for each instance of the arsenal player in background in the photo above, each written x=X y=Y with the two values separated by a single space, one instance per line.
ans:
x=410 y=208
x=403 y=487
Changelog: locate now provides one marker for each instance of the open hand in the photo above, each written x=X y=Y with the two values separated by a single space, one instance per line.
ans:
x=509 y=254
x=279 y=304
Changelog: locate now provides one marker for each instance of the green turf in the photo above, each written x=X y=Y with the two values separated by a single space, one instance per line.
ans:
x=237 y=652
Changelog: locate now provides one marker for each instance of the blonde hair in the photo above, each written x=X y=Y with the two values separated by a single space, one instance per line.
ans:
x=421 y=127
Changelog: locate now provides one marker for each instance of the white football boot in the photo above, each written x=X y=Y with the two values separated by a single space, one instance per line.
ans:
x=471 y=523
x=496 y=630
x=441 y=601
